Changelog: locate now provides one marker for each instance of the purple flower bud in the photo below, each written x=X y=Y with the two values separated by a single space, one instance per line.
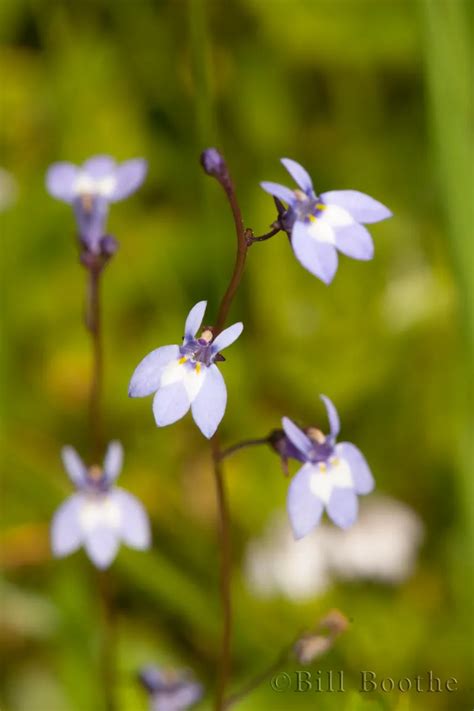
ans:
x=213 y=163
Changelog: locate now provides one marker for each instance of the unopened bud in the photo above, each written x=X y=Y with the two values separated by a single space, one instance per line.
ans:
x=213 y=163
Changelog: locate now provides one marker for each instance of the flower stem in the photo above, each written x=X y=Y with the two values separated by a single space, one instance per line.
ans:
x=225 y=573
x=108 y=641
x=93 y=323
x=242 y=246
x=257 y=680
x=94 y=326
x=242 y=445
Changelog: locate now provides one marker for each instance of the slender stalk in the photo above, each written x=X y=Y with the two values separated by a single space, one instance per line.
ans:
x=257 y=680
x=225 y=574
x=241 y=254
x=251 y=239
x=108 y=641
x=224 y=453
x=93 y=323
x=94 y=326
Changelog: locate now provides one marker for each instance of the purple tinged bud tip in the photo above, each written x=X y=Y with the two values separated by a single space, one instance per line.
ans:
x=213 y=163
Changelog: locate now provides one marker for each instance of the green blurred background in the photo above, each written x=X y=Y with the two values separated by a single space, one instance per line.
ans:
x=367 y=94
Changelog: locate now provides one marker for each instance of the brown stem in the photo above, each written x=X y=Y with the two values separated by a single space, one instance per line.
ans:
x=93 y=323
x=251 y=239
x=225 y=573
x=241 y=254
x=242 y=445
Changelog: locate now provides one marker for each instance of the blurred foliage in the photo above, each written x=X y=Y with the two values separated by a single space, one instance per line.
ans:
x=368 y=94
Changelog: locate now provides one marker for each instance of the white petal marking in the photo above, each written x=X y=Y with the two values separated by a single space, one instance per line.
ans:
x=328 y=476
x=181 y=371
x=99 y=511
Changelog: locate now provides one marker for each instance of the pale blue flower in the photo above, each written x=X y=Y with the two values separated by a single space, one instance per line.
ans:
x=90 y=189
x=331 y=477
x=321 y=225
x=187 y=376
x=99 y=515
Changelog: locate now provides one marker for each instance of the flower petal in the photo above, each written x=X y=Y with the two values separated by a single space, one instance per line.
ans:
x=74 y=466
x=129 y=176
x=355 y=241
x=66 y=532
x=299 y=174
x=304 y=509
x=297 y=437
x=101 y=544
x=91 y=222
x=360 y=472
x=194 y=320
x=135 y=526
x=170 y=404
x=227 y=337
x=146 y=378
x=113 y=461
x=342 y=507
x=99 y=167
x=319 y=258
x=362 y=207
x=60 y=181
x=279 y=191
x=209 y=405
x=333 y=417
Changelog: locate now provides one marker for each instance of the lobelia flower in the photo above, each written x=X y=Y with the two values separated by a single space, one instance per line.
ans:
x=319 y=225
x=331 y=477
x=99 y=515
x=170 y=691
x=91 y=188
x=186 y=376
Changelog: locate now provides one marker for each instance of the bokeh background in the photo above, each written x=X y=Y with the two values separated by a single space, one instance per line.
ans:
x=367 y=94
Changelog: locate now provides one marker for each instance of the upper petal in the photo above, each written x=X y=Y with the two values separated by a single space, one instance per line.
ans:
x=299 y=174
x=360 y=472
x=304 y=508
x=355 y=241
x=60 y=181
x=342 y=507
x=74 y=466
x=333 y=417
x=99 y=167
x=146 y=378
x=227 y=337
x=170 y=404
x=194 y=320
x=101 y=544
x=279 y=191
x=129 y=176
x=66 y=532
x=135 y=526
x=113 y=461
x=319 y=258
x=209 y=405
x=301 y=441
x=363 y=208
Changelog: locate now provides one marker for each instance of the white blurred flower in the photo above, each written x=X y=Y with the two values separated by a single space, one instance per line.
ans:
x=381 y=546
